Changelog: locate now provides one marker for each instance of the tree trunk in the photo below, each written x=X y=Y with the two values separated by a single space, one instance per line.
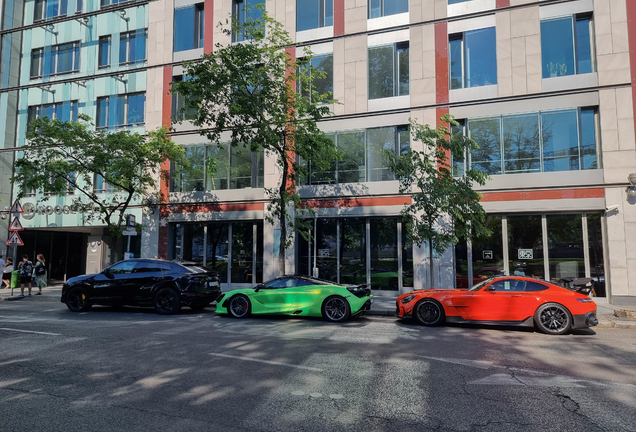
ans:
x=430 y=255
x=283 y=215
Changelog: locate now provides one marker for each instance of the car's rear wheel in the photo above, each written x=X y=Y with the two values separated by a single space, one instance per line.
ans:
x=428 y=312
x=199 y=305
x=77 y=300
x=166 y=301
x=239 y=306
x=553 y=318
x=336 y=309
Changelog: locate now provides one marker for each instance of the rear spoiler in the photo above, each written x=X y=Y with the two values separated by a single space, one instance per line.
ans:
x=580 y=285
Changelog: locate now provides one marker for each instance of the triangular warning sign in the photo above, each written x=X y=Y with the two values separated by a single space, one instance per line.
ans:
x=15 y=239
x=16 y=225
x=17 y=208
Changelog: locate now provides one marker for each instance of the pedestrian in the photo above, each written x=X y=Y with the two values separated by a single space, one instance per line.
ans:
x=3 y=263
x=26 y=270
x=39 y=273
x=6 y=273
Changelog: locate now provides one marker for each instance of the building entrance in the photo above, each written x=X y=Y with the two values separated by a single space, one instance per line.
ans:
x=65 y=252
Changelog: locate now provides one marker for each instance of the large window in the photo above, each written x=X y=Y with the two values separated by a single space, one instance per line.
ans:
x=564 y=140
x=362 y=156
x=100 y=185
x=245 y=10
x=322 y=85
x=311 y=14
x=188 y=27
x=178 y=103
x=44 y=9
x=112 y=2
x=389 y=70
x=132 y=47
x=63 y=111
x=103 y=52
x=56 y=60
x=380 y=8
x=121 y=110
x=473 y=58
x=567 y=46
x=217 y=167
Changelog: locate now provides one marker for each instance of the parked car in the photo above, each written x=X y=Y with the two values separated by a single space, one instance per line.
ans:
x=478 y=276
x=144 y=282
x=297 y=296
x=508 y=300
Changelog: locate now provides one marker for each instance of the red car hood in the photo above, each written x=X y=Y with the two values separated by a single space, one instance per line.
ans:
x=432 y=291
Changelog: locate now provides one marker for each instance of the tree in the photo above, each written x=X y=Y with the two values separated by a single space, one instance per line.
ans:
x=427 y=176
x=60 y=156
x=250 y=90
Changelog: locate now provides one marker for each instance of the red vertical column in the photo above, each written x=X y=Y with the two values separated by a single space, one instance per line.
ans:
x=208 y=31
x=503 y=3
x=291 y=53
x=441 y=62
x=338 y=17
x=631 y=36
x=164 y=182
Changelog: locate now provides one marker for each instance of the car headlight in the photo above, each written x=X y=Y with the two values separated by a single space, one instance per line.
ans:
x=584 y=300
x=408 y=299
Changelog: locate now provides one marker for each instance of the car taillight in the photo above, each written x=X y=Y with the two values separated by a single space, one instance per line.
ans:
x=584 y=300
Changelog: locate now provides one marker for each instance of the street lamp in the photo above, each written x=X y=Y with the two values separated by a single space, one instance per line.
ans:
x=631 y=190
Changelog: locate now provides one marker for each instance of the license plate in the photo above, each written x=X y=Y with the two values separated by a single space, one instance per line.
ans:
x=213 y=284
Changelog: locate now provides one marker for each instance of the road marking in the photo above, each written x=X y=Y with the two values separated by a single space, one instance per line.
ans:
x=267 y=362
x=336 y=396
x=30 y=331
x=315 y=395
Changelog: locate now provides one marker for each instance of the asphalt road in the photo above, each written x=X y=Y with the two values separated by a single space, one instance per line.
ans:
x=132 y=370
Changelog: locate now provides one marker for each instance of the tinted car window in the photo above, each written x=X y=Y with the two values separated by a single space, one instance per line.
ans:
x=147 y=267
x=533 y=286
x=509 y=285
x=302 y=282
x=123 y=267
x=281 y=283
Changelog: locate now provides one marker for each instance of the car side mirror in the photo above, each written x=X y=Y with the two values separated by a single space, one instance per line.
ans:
x=259 y=287
x=490 y=288
x=108 y=274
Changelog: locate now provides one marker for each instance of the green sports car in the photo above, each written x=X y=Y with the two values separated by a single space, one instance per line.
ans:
x=298 y=296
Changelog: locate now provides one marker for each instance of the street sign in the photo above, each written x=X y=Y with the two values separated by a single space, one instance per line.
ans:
x=129 y=255
x=130 y=221
x=16 y=225
x=487 y=254
x=15 y=239
x=129 y=233
x=525 y=254
x=16 y=208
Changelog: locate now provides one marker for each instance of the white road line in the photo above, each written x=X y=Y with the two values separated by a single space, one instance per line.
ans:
x=29 y=331
x=267 y=362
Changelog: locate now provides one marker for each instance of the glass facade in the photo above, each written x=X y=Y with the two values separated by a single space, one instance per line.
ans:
x=566 y=46
x=103 y=52
x=564 y=140
x=362 y=156
x=380 y=8
x=473 y=58
x=132 y=47
x=188 y=27
x=312 y=14
x=358 y=251
x=389 y=70
x=322 y=85
x=63 y=111
x=121 y=110
x=55 y=60
x=212 y=167
x=245 y=11
x=46 y=9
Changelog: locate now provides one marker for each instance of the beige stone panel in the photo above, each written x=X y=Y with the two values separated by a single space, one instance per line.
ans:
x=157 y=11
x=350 y=100
x=350 y=75
x=415 y=72
x=361 y=80
x=630 y=235
x=618 y=165
x=519 y=80
x=619 y=279
x=270 y=6
x=415 y=11
x=626 y=135
x=601 y=7
x=620 y=76
x=355 y=20
x=280 y=11
x=533 y=64
x=356 y=48
x=620 y=42
x=422 y=92
x=502 y=26
x=518 y=53
x=533 y=83
x=521 y=2
x=440 y=9
x=361 y=3
x=624 y=106
x=604 y=44
x=504 y=86
x=618 y=10
x=525 y=22
x=607 y=99
x=602 y=24
x=533 y=46
x=428 y=10
x=339 y=95
x=613 y=69
x=615 y=222
x=609 y=139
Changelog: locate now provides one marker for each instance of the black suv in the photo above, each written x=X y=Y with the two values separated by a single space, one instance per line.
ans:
x=144 y=282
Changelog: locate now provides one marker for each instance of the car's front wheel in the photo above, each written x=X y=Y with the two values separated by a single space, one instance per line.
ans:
x=240 y=306
x=77 y=300
x=336 y=309
x=428 y=312
x=166 y=301
x=552 y=318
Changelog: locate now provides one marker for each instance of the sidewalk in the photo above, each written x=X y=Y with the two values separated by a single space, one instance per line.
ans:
x=53 y=289
x=609 y=316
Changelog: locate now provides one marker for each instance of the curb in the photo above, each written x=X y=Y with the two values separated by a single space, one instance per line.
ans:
x=625 y=314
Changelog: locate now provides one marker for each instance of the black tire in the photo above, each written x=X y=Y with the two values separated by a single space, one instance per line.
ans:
x=166 y=301
x=199 y=305
x=553 y=318
x=428 y=312
x=239 y=306
x=77 y=300
x=336 y=309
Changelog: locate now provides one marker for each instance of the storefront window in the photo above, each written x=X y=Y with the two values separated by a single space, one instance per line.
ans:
x=190 y=242
x=384 y=254
x=242 y=252
x=597 y=265
x=353 y=251
x=217 y=249
x=407 y=259
x=327 y=249
x=525 y=246
x=565 y=241
x=190 y=172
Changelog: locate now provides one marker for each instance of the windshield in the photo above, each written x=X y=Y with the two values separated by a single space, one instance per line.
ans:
x=481 y=284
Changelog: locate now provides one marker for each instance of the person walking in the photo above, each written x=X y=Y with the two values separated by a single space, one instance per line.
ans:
x=39 y=273
x=6 y=273
x=26 y=271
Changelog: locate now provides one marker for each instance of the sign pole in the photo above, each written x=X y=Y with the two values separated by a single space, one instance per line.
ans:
x=17 y=209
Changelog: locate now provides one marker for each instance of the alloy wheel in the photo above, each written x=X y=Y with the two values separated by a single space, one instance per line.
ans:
x=336 y=308
x=76 y=300
x=166 y=300
x=554 y=319
x=239 y=306
x=428 y=313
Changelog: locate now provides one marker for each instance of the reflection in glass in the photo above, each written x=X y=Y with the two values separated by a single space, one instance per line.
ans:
x=188 y=175
x=565 y=241
x=351 y=169
x=380 y=8
x=407 y=259
x=384 y=254
x=486 y=133
x=240 y=168
x=245 y=10
x=192 y=242
x=597 y=265
x=589 y=158
x=584 y=44
x=327 y=249
x=216 y=167
x=217 y=248
x=456 y=63
x=557 y=47
x=525 y=246
x=242 y=252
x=188 y=28
x=311 y=14
x=488 y=259
x=381 y=76
x=380 y=140
x=322 y=86
x=353 y=251
x=522 y=148
x=481 y=57
x=560 y=141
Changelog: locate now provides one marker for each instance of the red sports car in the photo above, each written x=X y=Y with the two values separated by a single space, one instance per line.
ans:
x=507 y=300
